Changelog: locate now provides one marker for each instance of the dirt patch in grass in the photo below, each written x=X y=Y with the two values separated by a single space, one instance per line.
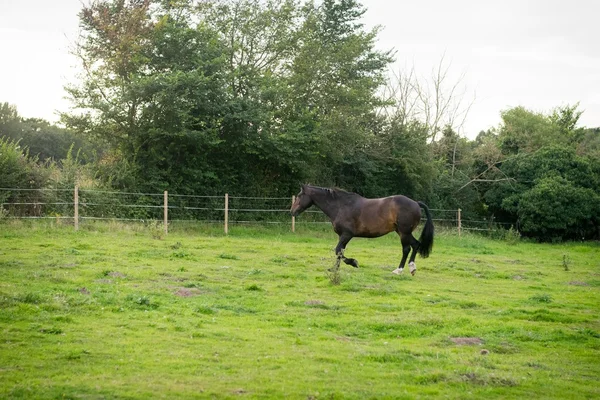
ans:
x=477 y=379
x=84 y=290
x=187 y=292
x=578 y=283
x=171 y=277
x=466 y=341
x=116 y=274
x=504 y=348
x=313 y=302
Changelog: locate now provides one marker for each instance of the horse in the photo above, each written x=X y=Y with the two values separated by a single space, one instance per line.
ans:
x=355 y=216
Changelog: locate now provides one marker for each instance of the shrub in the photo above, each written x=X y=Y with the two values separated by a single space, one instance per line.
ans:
x=19 y=171
x=556 y=209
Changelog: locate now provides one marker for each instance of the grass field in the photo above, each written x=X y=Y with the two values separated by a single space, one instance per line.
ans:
x=111 y=312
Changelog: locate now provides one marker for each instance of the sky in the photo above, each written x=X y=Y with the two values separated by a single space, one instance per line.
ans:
x=539 y=54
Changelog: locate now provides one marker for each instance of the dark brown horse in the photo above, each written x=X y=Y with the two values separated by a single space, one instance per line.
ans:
x=355 y=216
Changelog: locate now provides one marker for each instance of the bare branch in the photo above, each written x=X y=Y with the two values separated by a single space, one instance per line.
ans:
x=485 y=180
x=431 y=100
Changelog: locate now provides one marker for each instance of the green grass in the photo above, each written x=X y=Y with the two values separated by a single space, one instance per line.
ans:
x=111 y=312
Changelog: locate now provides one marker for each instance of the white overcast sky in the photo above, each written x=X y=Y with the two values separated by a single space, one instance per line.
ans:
x=536 y=53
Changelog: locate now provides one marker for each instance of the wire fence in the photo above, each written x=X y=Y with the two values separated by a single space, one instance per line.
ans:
x=81 y=205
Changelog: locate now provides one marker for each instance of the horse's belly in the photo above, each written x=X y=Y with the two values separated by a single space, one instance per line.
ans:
x=371 y=234
x=376 y=228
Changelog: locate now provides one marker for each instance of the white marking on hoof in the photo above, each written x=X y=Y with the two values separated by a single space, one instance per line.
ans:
x=413 y=268
x=398 y=271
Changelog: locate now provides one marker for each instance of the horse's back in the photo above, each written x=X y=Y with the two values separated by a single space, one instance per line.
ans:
x=377 y=217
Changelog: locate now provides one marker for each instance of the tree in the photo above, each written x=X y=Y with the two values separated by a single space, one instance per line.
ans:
x=9 y=119
x=151 y=90
x=259 y=41
x=589 y=143
x=43 y=140
x=231 y=94
x=404 y=161
x=566 y=118
x=335 y=78
x=523 y=130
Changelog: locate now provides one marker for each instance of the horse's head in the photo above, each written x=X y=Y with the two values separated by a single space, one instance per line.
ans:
x=302 y=202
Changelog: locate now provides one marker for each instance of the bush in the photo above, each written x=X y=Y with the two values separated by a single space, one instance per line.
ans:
x=19 y=171
x=556 y=209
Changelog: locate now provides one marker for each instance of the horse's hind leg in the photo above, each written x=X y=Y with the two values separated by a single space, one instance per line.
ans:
x=405 y=240
x=408 y=241
x=415 y=244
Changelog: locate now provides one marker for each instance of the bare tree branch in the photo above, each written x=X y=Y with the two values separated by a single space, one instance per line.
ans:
x=485 y=180
x=431 y=100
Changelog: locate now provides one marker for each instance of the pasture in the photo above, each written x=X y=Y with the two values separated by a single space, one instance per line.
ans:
x=111 y=312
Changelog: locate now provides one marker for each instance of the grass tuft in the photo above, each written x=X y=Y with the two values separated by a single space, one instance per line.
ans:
x=541 y=298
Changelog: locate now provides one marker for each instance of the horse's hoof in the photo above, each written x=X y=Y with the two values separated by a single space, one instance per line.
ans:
x=354 y=263
x=398 y=271
x=413 y=268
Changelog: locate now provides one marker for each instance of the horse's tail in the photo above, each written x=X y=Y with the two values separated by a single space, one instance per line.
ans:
x=426 y=238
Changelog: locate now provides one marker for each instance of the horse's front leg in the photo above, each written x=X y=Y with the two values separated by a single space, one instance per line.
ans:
x=339 y=251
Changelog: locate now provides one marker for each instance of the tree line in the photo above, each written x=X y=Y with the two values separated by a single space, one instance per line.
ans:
x=254 y=97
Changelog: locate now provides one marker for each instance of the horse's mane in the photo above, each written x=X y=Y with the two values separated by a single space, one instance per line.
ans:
x=334 y=192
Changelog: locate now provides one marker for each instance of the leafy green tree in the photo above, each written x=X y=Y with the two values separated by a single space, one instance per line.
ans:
x=42 y=139
x=259 y=40
x=50 y=142
x=526 y=131
x=151 y=90
x=566 y=118
x=589 y=143
x=10 y=121
x=334 y=79
x=228 y=95
x=523 y=130
x=403 y=162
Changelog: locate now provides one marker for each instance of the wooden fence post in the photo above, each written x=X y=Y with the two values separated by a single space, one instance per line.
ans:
x=226 y=213
x=459 y=223
x=76 y=208
x=293 y=218
x=166 y=213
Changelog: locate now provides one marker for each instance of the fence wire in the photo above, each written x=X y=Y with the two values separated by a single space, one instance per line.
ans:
x=59 y=203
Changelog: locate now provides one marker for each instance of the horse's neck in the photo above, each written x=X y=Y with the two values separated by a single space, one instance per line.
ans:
x=326 y=202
